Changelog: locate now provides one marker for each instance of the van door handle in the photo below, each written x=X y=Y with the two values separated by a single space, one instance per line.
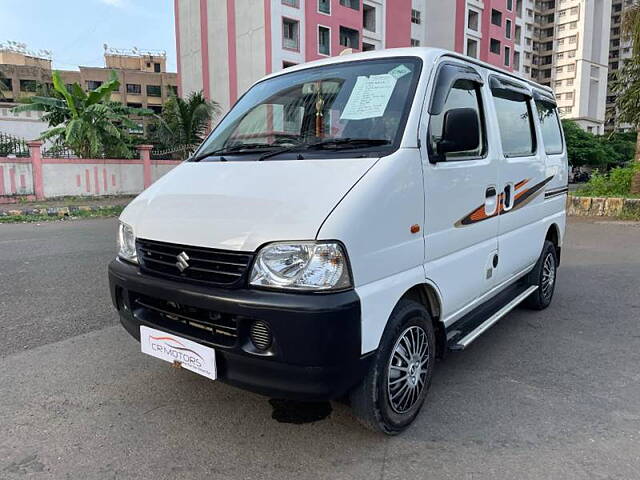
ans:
x=490 y=201
x=508 y=196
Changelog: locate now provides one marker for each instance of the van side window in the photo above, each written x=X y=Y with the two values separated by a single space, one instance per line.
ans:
x=463 y=94
x=550 y=126
x=516 y=124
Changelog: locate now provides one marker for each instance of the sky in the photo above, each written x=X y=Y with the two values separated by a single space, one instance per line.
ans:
x=76 y=33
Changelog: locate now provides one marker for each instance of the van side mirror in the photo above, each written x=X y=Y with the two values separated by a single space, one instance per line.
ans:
x=461 y=131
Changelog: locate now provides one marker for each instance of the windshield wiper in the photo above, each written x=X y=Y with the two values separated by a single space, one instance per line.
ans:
x=333 y=143
x=239 y=148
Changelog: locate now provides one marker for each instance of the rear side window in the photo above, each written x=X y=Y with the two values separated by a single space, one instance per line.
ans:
x=463 y=94
x=550 y=127
x=515 y=122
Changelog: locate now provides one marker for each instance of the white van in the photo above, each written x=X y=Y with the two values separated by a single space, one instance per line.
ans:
x=345 y=224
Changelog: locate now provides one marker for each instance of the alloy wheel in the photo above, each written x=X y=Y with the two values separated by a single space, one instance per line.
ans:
x=407 y=371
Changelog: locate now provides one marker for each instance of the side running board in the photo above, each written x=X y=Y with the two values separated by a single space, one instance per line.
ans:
x=464 y=342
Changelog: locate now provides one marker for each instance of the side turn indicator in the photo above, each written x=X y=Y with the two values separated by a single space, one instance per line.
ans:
x=415 y=228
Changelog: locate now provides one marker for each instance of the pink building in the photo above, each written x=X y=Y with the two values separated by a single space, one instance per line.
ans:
x=226 y=45
x=486 y=30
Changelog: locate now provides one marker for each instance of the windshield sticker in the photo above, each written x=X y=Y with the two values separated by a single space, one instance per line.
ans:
x=369 y=97
x=399 y=72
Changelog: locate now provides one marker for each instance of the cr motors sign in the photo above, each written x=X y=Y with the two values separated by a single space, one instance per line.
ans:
x=177 y=350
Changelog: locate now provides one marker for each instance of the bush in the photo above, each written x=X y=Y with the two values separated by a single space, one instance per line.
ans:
x=616 y=183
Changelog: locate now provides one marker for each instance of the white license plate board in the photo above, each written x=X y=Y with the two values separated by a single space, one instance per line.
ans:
x=171 y=348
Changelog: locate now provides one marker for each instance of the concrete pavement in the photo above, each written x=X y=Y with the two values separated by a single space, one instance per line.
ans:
x=542 y=395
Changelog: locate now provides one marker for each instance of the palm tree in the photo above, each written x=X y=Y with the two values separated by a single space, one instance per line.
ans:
x=627 y=82
x=183 y=123
x=89 y=123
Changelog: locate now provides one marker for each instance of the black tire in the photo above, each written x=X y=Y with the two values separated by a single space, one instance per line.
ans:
x=541 y=298
x=371 y=401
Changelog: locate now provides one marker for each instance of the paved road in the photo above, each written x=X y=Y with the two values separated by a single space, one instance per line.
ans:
x=550 y=395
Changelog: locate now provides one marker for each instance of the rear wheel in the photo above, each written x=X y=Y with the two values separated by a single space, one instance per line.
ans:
x=394 y=389
x=544 y=276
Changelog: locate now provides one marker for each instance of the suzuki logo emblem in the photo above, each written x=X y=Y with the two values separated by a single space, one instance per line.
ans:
x=182 y=262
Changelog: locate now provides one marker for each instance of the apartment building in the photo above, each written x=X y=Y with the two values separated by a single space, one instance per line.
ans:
x=144 y=81
x=620 y=50
x=487 y=30
x=225 y=46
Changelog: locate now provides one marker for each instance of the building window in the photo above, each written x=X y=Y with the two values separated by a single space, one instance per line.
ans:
x=291 y=3
x=349 y=38
x=369 y=18
x=496 y=17
x=134 y=105
x=324 y=6
x=508 y=28
x=473 y=20
x=172 y=90
x=154 y=90
x=28 y=85
x=510 y=5
x=495 y=46
x=156 y=67
x=290 y=34
x=355 y=4
x=570 y=82
x=157 y=109
x=8 y=83
x=93 y=84
x=134 y=88
x=472 y=48
x=507 y=56
x=415 y=43
x=288 y=64
x=368 y=47
x=324 y=41
x=415 y=16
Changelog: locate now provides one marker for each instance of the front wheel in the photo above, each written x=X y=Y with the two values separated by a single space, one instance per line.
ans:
x=544 y=276
x=394 y=389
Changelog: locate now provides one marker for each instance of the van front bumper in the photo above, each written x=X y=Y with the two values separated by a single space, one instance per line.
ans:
x=316 y=338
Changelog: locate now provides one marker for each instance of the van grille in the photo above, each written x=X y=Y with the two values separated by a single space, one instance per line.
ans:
x=213 y=327
x=209 y=266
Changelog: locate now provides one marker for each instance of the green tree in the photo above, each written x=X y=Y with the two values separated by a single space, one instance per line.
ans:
x=183 y=123
x=88 y=123
x=626 y=82
x=585 y=148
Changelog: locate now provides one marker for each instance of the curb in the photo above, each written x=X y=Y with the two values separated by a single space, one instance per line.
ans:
x=55 y=211
x=601 y=206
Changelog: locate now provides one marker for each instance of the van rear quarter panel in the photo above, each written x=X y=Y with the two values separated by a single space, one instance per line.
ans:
x=374 y=222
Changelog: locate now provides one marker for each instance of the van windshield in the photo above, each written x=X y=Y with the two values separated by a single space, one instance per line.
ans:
x=326 y=111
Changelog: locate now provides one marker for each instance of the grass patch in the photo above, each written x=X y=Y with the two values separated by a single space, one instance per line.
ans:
x=101 y=212
x=616 y=183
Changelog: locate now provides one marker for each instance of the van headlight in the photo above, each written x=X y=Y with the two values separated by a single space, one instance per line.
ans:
x=127 y=243
x=307 y=266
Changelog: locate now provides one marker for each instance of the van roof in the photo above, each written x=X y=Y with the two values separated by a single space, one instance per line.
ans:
x=429 y=55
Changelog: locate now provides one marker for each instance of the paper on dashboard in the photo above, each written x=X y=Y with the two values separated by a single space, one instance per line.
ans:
x=369 y=97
